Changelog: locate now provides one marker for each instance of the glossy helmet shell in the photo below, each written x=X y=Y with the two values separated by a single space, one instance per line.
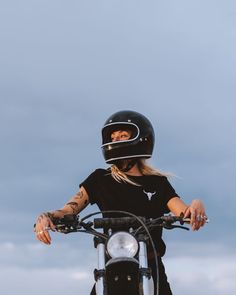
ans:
x=141 y=143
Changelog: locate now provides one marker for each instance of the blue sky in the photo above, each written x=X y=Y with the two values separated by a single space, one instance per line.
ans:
x=65 y=67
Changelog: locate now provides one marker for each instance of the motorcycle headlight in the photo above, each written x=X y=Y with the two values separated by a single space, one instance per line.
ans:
x=122 y=244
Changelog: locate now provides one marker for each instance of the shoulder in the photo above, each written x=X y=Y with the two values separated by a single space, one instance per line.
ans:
x=94 y=179
x=162 y=180
x=159 y=178
x=101 y=171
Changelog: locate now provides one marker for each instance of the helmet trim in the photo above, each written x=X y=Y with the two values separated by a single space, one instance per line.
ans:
x=129 y=157
x=123 y=141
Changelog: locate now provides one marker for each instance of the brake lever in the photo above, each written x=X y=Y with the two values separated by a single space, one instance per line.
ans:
x=86 y=225
x=171 y=226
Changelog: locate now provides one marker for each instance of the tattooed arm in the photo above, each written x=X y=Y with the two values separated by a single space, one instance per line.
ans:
x=45 y=221
x=76 y=204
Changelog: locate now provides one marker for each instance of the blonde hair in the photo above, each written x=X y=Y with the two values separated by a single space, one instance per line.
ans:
x=144 y=168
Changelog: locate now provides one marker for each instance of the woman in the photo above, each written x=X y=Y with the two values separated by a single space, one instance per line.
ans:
x=129 y=184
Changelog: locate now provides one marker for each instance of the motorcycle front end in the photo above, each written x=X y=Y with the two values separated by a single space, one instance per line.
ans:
x=122 y=255
x=122 y=266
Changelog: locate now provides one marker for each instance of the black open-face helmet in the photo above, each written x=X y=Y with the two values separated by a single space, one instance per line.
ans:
x=141 y=143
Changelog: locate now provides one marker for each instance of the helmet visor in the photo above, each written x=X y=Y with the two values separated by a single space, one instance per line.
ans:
x=119 y=126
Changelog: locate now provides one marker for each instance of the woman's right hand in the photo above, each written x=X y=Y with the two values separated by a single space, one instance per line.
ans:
x=42 y=226
x=44 y=222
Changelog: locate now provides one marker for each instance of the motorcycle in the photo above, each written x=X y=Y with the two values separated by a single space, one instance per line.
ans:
x=122 y=260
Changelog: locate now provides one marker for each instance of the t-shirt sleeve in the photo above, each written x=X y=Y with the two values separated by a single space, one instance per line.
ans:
x=169 y=192
x=91 y=185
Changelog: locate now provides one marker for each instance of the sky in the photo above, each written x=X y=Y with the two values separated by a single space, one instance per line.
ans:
x=65 y=67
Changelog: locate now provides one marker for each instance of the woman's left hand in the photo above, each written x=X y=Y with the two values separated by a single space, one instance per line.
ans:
x=196 y=213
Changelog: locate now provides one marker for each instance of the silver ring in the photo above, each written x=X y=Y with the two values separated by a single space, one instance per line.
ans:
x=199 y=217
x=46 y=228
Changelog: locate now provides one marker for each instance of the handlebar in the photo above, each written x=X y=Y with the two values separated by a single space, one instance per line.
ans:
x=117 y=222
x=72 y=223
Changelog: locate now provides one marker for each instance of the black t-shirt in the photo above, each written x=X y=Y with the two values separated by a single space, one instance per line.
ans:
x=149 y=199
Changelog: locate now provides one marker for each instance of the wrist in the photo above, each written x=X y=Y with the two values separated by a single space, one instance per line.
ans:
x=49 y=215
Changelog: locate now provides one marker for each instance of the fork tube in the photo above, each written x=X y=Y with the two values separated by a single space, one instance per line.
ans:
x=100 y=286
x=143 y=261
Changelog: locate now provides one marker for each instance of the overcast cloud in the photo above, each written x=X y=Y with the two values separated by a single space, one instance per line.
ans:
x=65 y=66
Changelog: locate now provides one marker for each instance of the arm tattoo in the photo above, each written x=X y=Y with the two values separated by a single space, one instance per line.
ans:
x=52 y=215
x=79 y=195
x=49 y=215
x=40 y=218
x=74 y=206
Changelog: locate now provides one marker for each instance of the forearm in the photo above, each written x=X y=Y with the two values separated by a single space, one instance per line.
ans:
x=76 y=204
x=195 y=211
x=46 y=220
x=177 y=206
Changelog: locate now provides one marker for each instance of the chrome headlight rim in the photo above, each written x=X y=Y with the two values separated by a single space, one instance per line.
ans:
x=114 y=237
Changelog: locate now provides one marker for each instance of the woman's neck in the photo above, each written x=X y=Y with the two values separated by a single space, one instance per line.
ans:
x=134 y=171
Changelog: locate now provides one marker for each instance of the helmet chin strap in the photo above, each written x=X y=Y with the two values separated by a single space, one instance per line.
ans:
x=127 y=167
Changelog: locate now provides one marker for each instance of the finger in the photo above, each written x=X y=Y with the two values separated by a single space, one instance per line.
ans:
x=196 y=226
x=195 y=220
x=187 y=213
x=52 y=226
x=200 y=220
x=47 y=236
x=204 y=218
x=42 y=237
x=39 y=238
x=193 y=217
x=193 y=226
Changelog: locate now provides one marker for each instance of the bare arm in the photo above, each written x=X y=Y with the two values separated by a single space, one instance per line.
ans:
x=76 y=204
x=195 y=211
x=45 y=221
x=176 y=206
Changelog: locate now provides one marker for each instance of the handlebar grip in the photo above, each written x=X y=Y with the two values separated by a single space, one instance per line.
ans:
x=67 y=220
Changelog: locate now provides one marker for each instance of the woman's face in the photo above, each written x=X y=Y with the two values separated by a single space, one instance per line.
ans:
x=119 y=135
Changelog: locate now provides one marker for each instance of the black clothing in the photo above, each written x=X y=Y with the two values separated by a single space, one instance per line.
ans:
x=148 y=199
x=164 y=286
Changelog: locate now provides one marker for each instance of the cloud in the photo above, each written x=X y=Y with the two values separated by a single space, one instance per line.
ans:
x=208 y=275
x=37 y=255
x=44 y=281
x=60 y=80
x=206 y=267
x=37 y=269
